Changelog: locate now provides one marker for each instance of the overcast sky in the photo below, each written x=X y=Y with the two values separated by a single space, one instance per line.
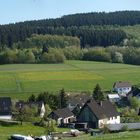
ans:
x=12 y=11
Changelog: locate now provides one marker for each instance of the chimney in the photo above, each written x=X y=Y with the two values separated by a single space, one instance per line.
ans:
x=101 y=103
x=88 y=101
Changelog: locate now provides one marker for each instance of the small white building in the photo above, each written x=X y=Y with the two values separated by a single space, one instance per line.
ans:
x=122 y=88
x=114 y=98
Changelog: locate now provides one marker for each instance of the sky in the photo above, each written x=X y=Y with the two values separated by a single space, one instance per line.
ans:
x=12 y=11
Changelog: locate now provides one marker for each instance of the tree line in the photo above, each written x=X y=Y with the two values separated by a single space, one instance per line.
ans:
x=112 y=54
x=70 y=25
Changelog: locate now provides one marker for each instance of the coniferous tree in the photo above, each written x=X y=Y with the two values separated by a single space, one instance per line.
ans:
x=97 y=93
x=63 y=98
x=32 y=98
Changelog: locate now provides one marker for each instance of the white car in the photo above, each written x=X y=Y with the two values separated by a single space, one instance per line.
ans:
x=21 y=137
x=44 y=138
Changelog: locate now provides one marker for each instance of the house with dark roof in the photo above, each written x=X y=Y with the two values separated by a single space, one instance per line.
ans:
x=62 y=116
x=5 y=108
x=98 y=114
x=40 y=106
x=122 y=88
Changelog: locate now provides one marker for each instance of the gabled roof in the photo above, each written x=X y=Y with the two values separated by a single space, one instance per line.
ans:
x=121 y=84
x=5 y=106
x=96 y=109
x=104 y=109
x=63 y=113
x=109 y=109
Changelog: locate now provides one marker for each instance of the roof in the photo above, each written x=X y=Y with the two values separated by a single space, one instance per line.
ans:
x=109 y=109
x=79 y=99
x=104 y=109
x=96 y=109
x=5 y=106
x=112 y=96
x=63 y=113
x=117 y=127
x=121 y=84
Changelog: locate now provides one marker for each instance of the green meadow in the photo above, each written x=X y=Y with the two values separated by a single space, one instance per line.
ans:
x=29 y=129
x=21 y=80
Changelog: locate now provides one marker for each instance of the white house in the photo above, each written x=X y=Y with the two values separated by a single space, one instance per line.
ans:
x=5 y=108
x=98 y=114
x=122 y=88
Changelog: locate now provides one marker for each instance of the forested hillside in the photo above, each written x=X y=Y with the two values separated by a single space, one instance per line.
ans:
x=74 y=25
x=73 y=37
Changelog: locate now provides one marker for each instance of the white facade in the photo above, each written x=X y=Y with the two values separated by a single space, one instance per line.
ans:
x=111 y=120
x=123 y=90
x=64 y=120
x=102 y=122
x=114 y=120
x=6 y=117
x=42 y=110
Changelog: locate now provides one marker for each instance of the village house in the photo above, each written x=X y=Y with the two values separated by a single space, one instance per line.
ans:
x=40 y=106
x=5 y=108
x=96 y=115
x=122 y=88
x=62 y=116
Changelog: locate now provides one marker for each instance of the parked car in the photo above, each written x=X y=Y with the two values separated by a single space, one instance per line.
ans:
x=44 y=138
x=20 y=137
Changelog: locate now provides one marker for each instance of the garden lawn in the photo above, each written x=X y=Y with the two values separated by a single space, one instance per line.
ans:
x=25 y=129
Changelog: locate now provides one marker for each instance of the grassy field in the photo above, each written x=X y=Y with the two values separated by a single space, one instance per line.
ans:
x=25 y=129
x=29 y=129
x=21 y=80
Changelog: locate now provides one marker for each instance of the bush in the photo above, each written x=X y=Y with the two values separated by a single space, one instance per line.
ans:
x=97 y=55
x=124 y=128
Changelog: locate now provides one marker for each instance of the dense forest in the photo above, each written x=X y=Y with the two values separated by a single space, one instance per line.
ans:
x=74 y=25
